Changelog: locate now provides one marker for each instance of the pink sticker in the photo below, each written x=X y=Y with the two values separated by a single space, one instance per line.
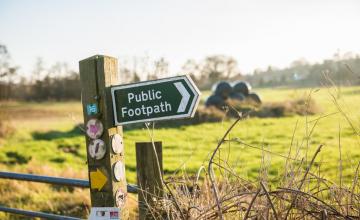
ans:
x=94 y=128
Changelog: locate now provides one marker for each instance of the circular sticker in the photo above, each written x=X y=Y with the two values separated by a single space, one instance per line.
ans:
x=94 y=128
x=97 y=149
x=117 y=144
x=120 y=198
x=119 y=171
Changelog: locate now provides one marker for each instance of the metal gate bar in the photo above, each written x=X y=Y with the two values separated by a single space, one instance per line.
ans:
x=51 y=180
x=55 y=180
x=36 y=214
x=45 y=179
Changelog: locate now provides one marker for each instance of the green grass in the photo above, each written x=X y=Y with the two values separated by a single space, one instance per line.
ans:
x=46 y=131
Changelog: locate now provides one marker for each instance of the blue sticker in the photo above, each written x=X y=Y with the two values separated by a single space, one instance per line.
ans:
x=92 y=109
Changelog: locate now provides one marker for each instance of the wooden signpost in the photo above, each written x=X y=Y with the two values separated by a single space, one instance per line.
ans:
x=106 y=106
x=107 y=184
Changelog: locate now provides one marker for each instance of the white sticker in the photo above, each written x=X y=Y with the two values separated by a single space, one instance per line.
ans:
x=117 y=144
x=119 y=171
x=97 y=149
x=120 y=198
x=104 y=213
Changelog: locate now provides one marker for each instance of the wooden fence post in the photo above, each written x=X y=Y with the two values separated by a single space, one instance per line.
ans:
x=105 y=150
x=149 y=176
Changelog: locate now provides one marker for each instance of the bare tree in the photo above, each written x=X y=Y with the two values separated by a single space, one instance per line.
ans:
x=7 y=73
x=161 y=69
x=193 y=69
x=39 y=69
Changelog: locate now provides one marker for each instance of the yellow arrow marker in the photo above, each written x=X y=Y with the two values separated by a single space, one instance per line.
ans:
x=97 y=180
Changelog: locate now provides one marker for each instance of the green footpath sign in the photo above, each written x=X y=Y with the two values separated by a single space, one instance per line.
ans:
x=169 y=98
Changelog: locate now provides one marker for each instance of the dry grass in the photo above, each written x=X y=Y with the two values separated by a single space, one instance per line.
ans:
x=303 y=192
x=45 y=197
x=5 y=127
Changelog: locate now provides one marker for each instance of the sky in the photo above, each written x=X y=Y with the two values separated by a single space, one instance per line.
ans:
x=257 y=33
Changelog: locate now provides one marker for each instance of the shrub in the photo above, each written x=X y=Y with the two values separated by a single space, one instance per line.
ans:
x=210 y=114
x=274 y=109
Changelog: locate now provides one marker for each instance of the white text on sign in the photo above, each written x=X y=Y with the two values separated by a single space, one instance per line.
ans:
x=149 y=95
x=144 y=96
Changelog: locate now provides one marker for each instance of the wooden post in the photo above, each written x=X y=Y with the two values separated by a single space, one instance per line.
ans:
x=149 y=176
x=105 y=154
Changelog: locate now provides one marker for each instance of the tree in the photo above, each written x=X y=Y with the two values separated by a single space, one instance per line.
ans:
x=193 y=69
x=38 y=69
x=135 y=78
x=7 y=73
x=219 y=67
x=161 y=69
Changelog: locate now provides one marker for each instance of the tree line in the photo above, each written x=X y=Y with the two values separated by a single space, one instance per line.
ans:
x=343 y=70
x=58 y=82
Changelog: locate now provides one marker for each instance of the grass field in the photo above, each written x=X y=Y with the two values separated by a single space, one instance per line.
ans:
x=48 y=141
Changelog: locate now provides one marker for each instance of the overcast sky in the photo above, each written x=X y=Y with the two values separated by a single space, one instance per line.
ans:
x=256 y=33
